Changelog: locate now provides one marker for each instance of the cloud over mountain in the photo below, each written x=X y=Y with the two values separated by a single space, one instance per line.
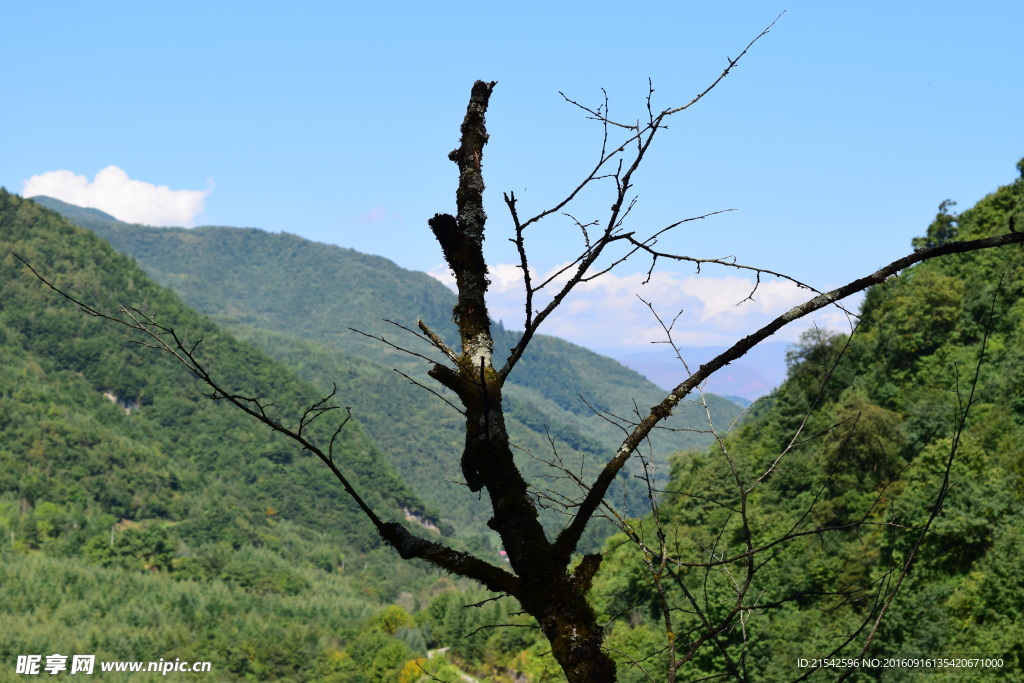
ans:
x=112 y=191
x=608 y=313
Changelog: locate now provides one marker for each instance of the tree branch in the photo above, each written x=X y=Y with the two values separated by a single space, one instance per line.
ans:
x=570 y=536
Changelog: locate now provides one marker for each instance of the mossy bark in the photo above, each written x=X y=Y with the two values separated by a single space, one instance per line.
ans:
x=543 y=583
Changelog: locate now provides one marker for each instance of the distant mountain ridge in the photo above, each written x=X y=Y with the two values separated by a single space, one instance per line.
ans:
x=297 y=300
x=71 y=211
x=759 y=371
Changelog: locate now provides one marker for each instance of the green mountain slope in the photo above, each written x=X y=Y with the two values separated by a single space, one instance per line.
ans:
x=160 y=402
x=874 y=448
x=140 y=519
x=297 y=300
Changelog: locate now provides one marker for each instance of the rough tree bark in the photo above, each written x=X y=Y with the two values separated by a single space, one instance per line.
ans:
x=544 y=587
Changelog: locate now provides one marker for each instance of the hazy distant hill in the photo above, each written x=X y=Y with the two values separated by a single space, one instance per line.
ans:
x=297 y=299
x=761 y=370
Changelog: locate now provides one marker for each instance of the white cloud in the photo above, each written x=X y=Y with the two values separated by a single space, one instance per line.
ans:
x=606 y=313
x=443 y=274
x=129 y=200
x=376 y=216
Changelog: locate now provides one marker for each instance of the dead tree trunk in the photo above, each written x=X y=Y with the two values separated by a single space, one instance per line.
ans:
x=545 y=588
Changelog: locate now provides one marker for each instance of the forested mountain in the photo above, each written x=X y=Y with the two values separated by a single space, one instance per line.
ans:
x=299 y=302
x=145 y=521
x=874 y=413
x=139 y=518
x=872 y=453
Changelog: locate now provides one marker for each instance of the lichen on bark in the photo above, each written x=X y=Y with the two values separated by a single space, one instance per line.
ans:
x=544 y=585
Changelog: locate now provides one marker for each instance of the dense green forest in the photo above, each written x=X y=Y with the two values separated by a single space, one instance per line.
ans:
x=138 y=518
x=877 y=436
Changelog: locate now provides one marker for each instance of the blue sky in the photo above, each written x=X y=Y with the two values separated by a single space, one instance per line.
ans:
x=835 y=138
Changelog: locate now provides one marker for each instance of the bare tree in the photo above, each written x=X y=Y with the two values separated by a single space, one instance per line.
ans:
x=546 y=576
